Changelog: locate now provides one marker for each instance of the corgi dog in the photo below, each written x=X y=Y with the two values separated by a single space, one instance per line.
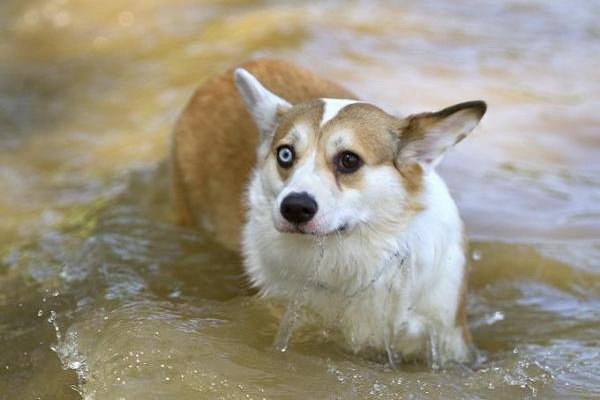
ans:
x=334 y=200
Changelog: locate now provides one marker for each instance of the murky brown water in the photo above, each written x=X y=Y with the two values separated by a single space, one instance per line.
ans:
x=102 y=297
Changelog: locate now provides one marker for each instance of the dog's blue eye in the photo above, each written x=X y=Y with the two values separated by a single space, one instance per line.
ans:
x=347 y=162
x=285 y=156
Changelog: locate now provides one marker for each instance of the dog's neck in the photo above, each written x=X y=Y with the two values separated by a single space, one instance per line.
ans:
x=395 y=259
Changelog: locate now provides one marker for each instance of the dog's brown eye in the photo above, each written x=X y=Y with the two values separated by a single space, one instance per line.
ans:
x=348 y=162
x=285 y=156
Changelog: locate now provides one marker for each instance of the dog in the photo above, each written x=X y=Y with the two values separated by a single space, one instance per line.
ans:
x=332 y=200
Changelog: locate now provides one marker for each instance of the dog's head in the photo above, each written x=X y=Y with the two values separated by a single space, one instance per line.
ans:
x=329 y=165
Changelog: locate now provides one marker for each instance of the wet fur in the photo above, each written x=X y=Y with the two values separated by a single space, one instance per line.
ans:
x=384 y=259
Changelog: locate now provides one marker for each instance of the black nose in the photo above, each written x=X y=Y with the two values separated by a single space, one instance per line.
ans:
x=298 y=207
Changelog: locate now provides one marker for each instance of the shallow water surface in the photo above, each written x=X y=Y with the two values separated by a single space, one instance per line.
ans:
x=102 y=297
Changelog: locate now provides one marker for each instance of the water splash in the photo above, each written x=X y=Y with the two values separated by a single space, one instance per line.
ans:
x=292 y=311
x=52 y=320
x=288 y=321
x=68 y=352
x=386 y=322
x=434 y=353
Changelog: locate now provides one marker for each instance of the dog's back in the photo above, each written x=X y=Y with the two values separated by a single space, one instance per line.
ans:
x=213 y=149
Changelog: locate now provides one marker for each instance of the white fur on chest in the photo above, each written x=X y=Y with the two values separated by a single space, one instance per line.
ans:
x=385 y=290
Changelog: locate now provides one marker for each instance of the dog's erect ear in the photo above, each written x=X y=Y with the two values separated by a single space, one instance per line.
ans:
x=263 y=105
x=427 y=136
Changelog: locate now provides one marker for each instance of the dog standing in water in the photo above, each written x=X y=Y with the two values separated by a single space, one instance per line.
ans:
x=333 y=198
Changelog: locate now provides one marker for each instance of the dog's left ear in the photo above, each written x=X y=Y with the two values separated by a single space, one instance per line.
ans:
x=263 y=105
x=427 y=136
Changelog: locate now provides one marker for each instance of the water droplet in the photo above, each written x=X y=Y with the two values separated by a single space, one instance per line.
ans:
x=52 y=316
x=495 y=317
x=52 y=320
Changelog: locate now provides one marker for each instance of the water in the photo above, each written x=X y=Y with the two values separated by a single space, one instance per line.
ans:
x=293 y=309
x=140 y=308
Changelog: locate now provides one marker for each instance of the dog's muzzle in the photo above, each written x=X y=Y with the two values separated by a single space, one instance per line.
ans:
x=298 y=208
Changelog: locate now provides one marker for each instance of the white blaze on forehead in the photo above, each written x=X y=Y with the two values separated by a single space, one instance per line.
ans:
x=333 y=107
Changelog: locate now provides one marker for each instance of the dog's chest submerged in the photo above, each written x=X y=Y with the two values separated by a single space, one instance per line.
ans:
x=378 y=309
x=373 y=299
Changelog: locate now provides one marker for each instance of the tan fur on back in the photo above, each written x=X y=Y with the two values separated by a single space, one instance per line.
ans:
x=214 y=145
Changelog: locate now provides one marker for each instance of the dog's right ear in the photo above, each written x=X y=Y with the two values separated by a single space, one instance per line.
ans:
x=263 y=105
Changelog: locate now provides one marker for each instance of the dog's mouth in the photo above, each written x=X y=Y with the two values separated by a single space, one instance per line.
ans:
x=303 y=229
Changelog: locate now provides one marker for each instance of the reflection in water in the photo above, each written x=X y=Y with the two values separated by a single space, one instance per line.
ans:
x=99 y=291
